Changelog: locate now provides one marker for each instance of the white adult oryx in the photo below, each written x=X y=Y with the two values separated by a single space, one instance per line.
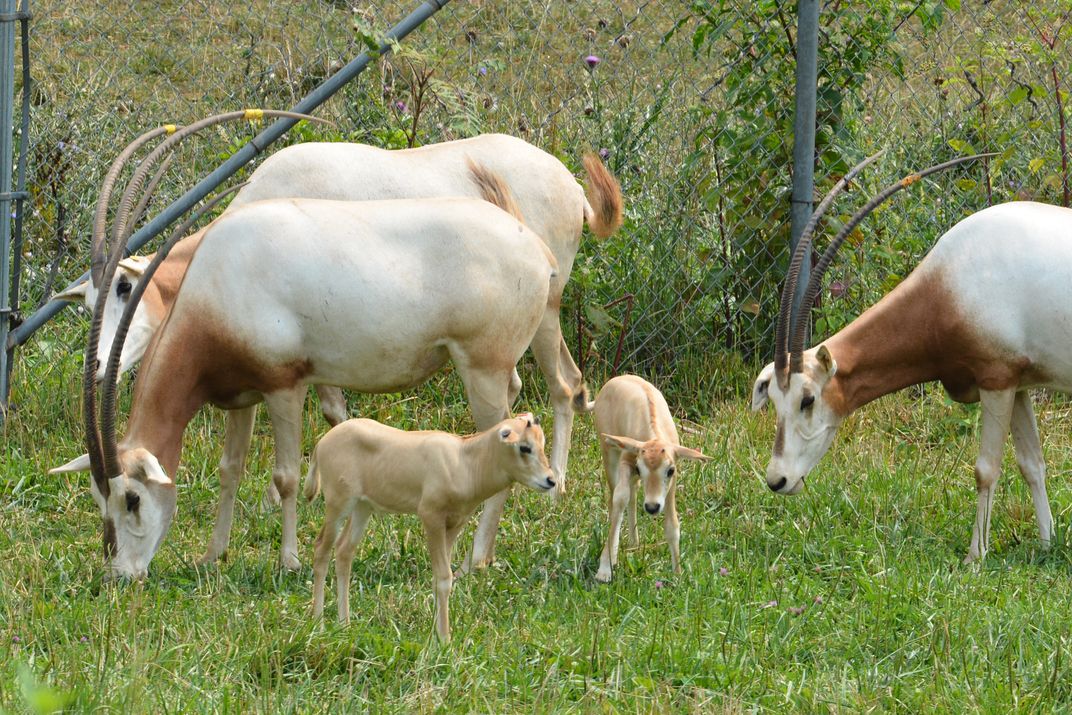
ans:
x=552 y=203
x=985 y=313
x=375 y=296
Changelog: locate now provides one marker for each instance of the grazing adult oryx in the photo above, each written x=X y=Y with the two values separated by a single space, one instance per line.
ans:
x=362 y=466
x=375 y=296
x=639 y=442
x=552 y=203
x=985 y=313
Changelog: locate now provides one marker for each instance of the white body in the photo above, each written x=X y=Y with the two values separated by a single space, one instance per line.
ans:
x=346 y=294
x=987 y=312
x=362 y=466
x=639 y=443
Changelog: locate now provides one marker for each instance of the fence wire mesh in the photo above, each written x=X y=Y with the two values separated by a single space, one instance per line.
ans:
x=689 y=104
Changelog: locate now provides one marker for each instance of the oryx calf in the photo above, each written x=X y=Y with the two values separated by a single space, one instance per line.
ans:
x=363 y=466
x=639 y=443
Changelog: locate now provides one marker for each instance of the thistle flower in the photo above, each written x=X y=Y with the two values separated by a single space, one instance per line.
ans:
x=723 y=571
x=604 y=153
x=592 y=61
x=400 y=106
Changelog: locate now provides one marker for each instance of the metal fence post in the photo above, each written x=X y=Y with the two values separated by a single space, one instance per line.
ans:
x=7 y=104
x=804 y=133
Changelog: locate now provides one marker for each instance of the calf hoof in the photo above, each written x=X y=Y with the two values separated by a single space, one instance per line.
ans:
x=209 y=558
x=603 y=575
x=290 y=562
x=270 y=500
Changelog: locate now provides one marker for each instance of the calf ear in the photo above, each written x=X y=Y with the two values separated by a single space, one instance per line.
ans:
x=761 y=390
x=74 y=294
x=693 y=454
x=78 y=464
x=626 y=443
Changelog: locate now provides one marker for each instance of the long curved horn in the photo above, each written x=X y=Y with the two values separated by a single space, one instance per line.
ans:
x=796 y=357
x=111 y=373
x=123 y=213
x=100 y=218
x=147 y=196
x=785 y=308
x=110 y=459
x=98 y=259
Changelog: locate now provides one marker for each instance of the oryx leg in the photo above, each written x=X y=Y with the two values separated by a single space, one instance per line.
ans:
x=344 y=556
x=630 y=510
x=548 y=347
x=997 y=407
x=435 y=531
x=333 y=407
x=285 y=410
x=609 y=558
x=488 y=399
x=515 y=387
x=1025 y=438
x=672 y=528
x=236 y=441
x=332 y=404
x=335 y=515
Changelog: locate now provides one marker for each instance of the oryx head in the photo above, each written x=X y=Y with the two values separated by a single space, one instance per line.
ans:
x=802 y=385
x=143 y=325
x=523 y=458
x=656 y=463
x=135 y=495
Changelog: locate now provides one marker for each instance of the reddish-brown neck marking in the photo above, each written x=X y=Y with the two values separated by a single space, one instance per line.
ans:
x=913 y=335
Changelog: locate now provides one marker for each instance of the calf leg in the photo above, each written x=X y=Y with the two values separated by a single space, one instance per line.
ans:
x=332 y=404
x=344 y=556
x=435 y=530
x=609 y=557
x=488 y=393
x=334 y=515
x=997 y=409
x=672 y=528
x=285 y=410
x=547 y=347
x=630 y=509
x=1025 y=438
x=238 y=435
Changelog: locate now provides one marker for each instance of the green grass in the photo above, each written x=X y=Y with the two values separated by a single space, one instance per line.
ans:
x=871 y=551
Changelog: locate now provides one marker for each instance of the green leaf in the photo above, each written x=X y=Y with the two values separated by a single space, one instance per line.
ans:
x=961 y=146
x=953 y=5
x=966 y=184
x=1018 y=95
x=1036 y=164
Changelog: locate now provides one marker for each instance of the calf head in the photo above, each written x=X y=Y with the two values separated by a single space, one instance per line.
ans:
x=656 y=462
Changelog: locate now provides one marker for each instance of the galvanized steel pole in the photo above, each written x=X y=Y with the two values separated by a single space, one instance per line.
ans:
x=242 y=157
x=804 y=135
x=7 y=106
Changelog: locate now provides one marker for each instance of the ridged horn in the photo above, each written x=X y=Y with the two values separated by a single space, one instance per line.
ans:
x=796 y=355
x=111 y=374
x=803 y=250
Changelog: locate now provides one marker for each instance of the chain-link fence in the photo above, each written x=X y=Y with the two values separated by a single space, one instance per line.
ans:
x=690 y=105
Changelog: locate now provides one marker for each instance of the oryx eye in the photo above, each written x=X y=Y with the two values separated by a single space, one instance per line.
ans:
x=525 y=449
x=669 y=472
x=133 y=500
x=807 y=402
x=122 y=288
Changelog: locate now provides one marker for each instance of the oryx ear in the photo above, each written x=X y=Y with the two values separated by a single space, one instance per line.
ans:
x=74 y=294
x=826 y=361
x=508 y=436
x=627 y=443
x=693 y=454
x=761 y=390
x=140 y=464
x=78 y=464
x=136 y=264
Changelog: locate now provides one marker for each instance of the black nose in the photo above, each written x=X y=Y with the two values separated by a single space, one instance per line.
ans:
x=651 y=508
x=550 y=481
x=777 y=487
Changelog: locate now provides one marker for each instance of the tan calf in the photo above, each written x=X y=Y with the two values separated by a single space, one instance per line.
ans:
x=639 y=443
x=363 y=466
